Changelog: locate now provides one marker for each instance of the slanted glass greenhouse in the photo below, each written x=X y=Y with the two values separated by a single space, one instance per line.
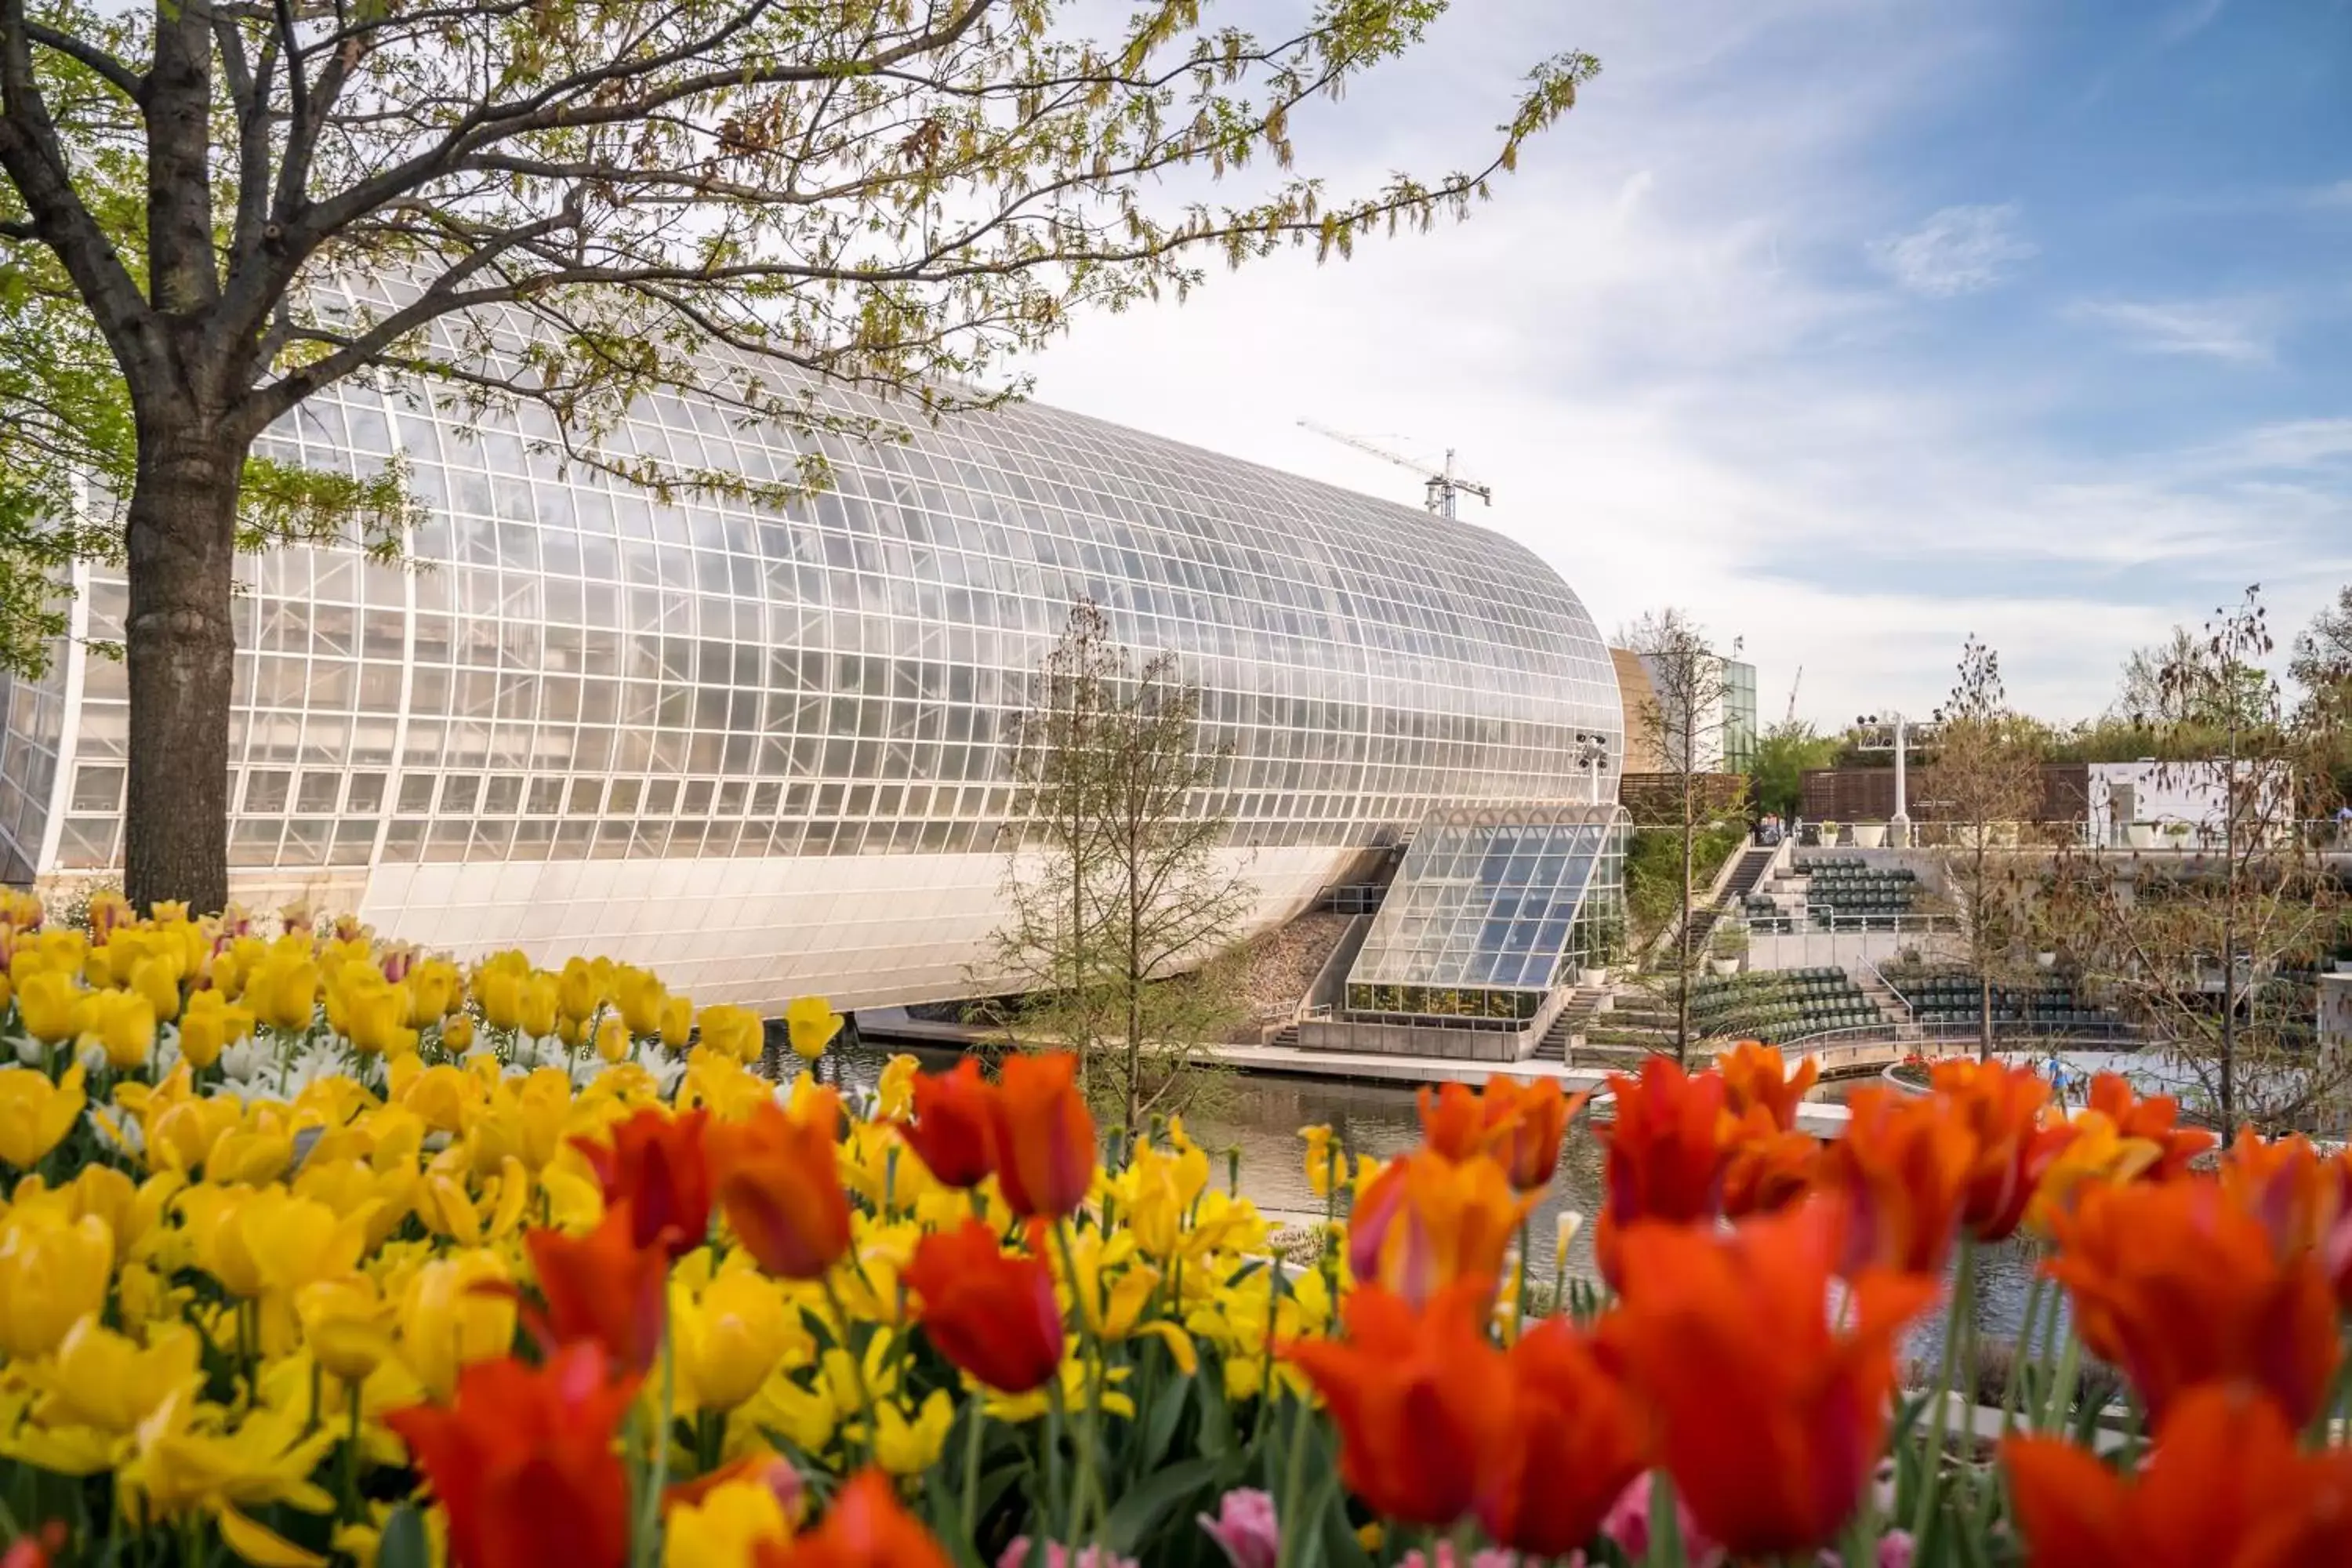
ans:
x=766 y=749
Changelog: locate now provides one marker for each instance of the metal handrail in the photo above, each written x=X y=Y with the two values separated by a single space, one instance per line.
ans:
x=2126 y=1037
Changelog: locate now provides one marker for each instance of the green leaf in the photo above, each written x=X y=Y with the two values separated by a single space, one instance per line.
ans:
x=1216 y=1439
x=1144 y=1504
x=403 y=1544
x=1160 y=1422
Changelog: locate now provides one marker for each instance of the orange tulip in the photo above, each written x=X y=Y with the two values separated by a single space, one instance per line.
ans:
x=1041 y=1135
x=2176 y=1287
x=780 y=1188
x=2003 y=1108
x=1769 y=1168
x=604 y=1287
x=1420 y=1398
x=992 y=1315
x=865 y=1527
x=949 y=1131
x=524 y=1461
x=1665 y=1155
x=1758 y=1076
x=2301 y=1197
x=2155 y=1119
x=1427 y=1223
x=1901 y=1173
x=1770 y=1422
x=2227 y=1488
x=1576 y=1437
x=655 y=1162
x=1525 y=1126
x=1452 y=1120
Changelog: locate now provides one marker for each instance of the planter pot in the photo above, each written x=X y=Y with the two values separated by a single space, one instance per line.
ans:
x=2140 y=834
x=1829 y=832
x=1869 y=835
x=2046 y=960
x=1591 y=979
x=1726 y=967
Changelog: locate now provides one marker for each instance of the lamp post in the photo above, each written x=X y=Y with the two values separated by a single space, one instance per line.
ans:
x=1898 y=729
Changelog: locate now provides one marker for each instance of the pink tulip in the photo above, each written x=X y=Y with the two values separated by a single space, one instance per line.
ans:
x=1628 y=1524
x=1056 y=1555
x=1245 y=1528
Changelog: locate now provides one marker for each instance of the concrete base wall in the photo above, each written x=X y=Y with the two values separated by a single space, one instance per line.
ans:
x=1417 y=1040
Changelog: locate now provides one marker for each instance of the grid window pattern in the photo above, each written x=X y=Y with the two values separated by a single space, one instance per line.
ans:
x=570 y=669
x=1490 y=901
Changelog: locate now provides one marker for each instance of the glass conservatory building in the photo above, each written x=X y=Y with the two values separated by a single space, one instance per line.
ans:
x=767 y=750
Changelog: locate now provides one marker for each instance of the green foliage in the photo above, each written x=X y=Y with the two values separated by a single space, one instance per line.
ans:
x=1784 y=753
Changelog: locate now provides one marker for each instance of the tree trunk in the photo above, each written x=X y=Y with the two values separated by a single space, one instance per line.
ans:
x=182 y=647
x=1984 y=959
x=1682 y=990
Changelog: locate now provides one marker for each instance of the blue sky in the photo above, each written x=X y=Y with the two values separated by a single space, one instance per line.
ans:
x=1854 y=326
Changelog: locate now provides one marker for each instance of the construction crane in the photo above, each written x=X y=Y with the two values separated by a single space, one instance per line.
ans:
x=1791 y=715
x=1442 y=489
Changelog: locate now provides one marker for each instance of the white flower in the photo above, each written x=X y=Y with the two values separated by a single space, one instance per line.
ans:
x=247 y=1060
x=29 y=1050
x=126 y=1137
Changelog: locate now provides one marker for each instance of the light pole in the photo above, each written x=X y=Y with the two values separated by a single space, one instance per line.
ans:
x=1899 y=731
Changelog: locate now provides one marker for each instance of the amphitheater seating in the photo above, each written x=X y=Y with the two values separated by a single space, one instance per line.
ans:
x=1779 y=1005
x=1847 y=887
x=1946 y=995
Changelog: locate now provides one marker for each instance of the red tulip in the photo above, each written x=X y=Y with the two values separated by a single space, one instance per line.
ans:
x=949 y=1131
x=655 y=1162
x=524 y=1461
x=1665 y=1155
x=1041 y=1135
x=1757 y=1077
x=992 y=1315
x=1525 y=1126
x=1771 y=1419
x=1902 y=1171
x=780 y=1188
x=603 y=1286
x=2178 y=1287
x=1577 y=1436
x=1420 y=1398
x=2154 y=1119
x=2002 y=1108
x=866 y=1527
x=2226 y=1487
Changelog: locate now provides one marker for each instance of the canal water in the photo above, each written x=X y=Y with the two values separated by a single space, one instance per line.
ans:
x=1263 y=1114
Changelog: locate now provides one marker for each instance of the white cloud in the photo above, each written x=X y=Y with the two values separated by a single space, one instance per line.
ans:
x=1958 y=251
x=2235 y=330
x=1652 y=345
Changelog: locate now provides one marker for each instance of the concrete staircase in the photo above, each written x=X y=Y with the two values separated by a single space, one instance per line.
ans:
x=1891 y=1006
x=1746 y=876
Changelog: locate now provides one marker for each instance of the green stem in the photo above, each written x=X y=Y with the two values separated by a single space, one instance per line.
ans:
x=1290 y=1530
x=1055 y=1415
x=1931 y=1480
x=1084 y=1489
x=2017 y=1361
x=347 y=1507
x=649 y=1517
x=1526 y=1261
x=972 y=1434
x=857 y=1367
x=1666 y=1523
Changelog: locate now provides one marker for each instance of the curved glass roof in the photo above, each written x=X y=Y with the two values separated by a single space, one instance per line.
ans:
x=576 y=668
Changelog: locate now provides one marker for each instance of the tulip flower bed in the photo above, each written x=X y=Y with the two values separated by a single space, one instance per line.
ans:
x=316 y=1249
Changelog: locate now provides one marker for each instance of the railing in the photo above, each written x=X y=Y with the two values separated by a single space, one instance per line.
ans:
x=1849 y=925
x=2115 y=1036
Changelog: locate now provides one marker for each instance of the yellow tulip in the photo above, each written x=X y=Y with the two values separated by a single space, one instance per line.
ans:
x=1325 y=1164
x=894 y=1092
x=434 y=987
x=209 y=1026
x=498 y=986
x=110 y=1381
x=36 y=1114
x=732 y=1032
x=181 y=1133
x=49 y=1002
x=158 y=979
x=812 y=1024
x=447 y=1321
x=283 y=989
x=53 y=1273
x=730 y=1523
x=443 y=1095
x=257 y=1151
x=612 y=1038
x=182 y=1465
x=383 y=1198
x=347 y=1325
x=641 y=999
x=580 y=990
x=376 y=1019
x=457 y=1034
x=1157 y=1190
x=677 y=1022
x=909 y=1447
x=121 y=1024
x=731 y=1340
